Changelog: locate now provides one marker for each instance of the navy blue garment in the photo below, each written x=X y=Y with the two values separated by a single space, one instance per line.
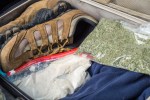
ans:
x=145 y=95
x=109 y=83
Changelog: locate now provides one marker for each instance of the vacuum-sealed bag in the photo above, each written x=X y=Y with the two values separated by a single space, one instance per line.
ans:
x=53 y=80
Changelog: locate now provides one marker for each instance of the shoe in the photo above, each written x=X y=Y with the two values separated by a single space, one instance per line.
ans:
x=48 y=38
x=28 y=15
x=46 y=14
x=41 y=16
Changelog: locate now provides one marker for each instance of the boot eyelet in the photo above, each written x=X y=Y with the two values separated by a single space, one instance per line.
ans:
x=35 y=52
x=55 y=45
x=44 y=49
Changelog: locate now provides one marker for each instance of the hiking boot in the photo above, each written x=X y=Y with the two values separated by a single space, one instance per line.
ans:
x=41 y=16
x=29 y=13
x=48 y=38
x=35 y=14
x=46 y=14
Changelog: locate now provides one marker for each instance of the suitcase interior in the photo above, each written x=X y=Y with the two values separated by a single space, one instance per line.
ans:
x=135 y=13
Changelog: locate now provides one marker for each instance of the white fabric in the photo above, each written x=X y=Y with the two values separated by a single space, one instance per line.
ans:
x=61 y=78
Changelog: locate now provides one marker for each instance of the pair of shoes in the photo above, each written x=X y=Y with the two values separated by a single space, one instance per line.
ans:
x=35 y=14
x=46 y=14
x=28 y=14
x=51 y=37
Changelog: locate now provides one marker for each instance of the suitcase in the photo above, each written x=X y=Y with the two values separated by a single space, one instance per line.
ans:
x=135 y=12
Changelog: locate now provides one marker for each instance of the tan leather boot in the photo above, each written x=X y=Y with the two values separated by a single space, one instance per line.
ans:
x=28 y=14
x=41 y=16
x=47 y=38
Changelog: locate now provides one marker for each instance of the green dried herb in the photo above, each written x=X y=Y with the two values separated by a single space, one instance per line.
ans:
x=113 y=45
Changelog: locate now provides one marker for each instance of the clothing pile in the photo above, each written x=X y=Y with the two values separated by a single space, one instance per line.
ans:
x=76 y=77
x=50 y=27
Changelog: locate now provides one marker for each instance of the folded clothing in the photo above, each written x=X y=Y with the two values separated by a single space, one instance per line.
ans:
x=109 y=83
x=60 y=78
x=111 y=44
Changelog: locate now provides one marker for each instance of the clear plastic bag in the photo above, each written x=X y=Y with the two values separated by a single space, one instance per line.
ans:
x=40 y=59
x=29 y=70
x=141 y=32
x=53 y=79
x=120 y=45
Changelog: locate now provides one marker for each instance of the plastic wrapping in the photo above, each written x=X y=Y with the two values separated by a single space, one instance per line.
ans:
x=29 y=70
x=112 y=44
x=41 y=59
x=53 y=79
x=141 y=33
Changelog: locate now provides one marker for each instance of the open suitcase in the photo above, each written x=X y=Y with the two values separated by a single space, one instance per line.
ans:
x=136 y=12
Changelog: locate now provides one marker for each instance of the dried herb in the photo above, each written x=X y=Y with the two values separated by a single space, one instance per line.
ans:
x=113 y=45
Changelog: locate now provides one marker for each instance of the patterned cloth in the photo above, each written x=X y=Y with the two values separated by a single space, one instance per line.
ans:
x=113 y=45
